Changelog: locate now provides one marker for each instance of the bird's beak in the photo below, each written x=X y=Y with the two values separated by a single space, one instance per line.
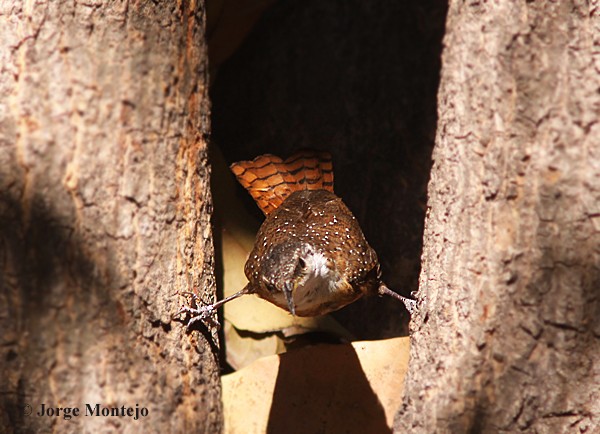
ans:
x=287 y=290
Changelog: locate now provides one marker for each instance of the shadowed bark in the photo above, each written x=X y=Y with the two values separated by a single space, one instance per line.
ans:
x=104 y=215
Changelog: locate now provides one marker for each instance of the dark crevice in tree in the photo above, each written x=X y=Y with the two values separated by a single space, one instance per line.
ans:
x=358 y=79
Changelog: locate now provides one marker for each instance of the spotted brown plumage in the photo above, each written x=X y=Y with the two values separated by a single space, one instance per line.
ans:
x=317 y=223
x=310 y=255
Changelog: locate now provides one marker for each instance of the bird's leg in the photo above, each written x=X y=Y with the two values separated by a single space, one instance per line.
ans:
x=410 y=304
x=200 y=313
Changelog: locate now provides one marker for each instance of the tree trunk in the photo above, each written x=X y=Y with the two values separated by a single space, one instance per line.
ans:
x=507 y=335
x=104 y=216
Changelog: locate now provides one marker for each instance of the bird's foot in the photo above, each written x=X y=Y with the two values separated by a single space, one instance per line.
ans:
x=409 y=304
x=198 y=312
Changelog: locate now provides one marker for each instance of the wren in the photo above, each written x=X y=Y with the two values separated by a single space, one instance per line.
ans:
x=310 y=255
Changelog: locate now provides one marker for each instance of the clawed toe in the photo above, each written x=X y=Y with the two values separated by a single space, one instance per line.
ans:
x=203 y=314
x=411 y=305
x=198 y=313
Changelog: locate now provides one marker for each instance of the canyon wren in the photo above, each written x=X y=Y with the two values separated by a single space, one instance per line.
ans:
x=310 y=256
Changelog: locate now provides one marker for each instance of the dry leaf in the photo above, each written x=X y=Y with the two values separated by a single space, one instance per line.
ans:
x=242 y=350
x=350 y=388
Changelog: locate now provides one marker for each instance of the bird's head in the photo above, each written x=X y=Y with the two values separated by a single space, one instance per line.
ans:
x=288 y=266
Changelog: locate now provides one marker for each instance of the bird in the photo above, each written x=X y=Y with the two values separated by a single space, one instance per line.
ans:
x=310 y=255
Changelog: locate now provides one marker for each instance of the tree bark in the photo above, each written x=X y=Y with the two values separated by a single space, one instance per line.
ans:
x=104 y=216
x=507 y=335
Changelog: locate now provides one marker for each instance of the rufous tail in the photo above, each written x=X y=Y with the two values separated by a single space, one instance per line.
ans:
x=270 y=180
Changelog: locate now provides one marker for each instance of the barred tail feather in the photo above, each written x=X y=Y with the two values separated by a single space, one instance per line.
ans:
x=270 y=180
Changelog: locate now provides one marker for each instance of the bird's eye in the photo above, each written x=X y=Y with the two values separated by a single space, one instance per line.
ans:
x=302 y=263
x=269 y=285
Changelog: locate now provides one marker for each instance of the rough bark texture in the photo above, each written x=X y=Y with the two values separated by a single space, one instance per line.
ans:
x=507 y=336
x=359 y=79
x=104 y=208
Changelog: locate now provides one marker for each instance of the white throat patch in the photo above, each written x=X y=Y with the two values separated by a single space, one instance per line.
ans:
x=321 y=281
x=317 y=263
